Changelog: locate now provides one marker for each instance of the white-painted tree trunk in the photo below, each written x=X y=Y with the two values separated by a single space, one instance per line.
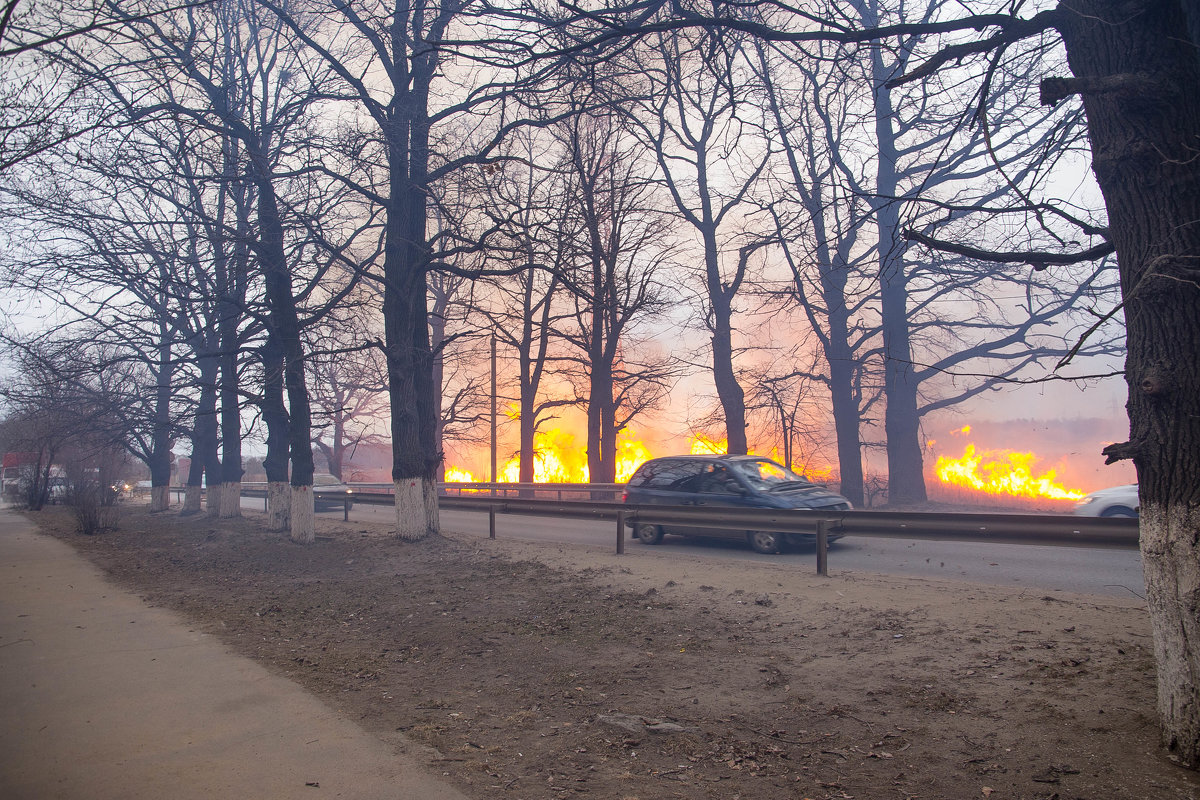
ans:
x=160 y=498
x=191 y=500
x=279 y=505
x=433 y=520
x=231 y=500
x=1171 y=564
x=212 y=500
x=303 y=515
x=416 y=508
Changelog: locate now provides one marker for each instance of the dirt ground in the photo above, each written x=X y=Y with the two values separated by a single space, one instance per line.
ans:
x=537 y=673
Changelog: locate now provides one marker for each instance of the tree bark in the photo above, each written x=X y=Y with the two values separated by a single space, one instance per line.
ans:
x=302 y=517
x=160 y=498
x=279 y=505
x=275 y=415
x=203 y=468
x=415 y=455
x=192 y=497
x=286 y=324
x=1145 y=145
x=160 y=440
x=902 y=421
x=212 y=498
x=416 y=508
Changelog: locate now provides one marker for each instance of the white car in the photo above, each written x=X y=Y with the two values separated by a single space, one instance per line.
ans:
x=1119 y=501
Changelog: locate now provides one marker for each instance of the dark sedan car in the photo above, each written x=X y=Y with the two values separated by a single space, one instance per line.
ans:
x=727 y=482
x=330 y=493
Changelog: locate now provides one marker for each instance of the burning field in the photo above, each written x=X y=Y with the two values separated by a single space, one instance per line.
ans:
x=971 y=474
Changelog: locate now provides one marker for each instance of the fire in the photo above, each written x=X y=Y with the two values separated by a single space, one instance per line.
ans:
x=704 y=446
x=631 y=454
x=1002 y=472
x=556 y=459
x=458 y=475
x=815 y=474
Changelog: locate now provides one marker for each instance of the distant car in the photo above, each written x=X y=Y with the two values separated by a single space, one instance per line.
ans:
x=1118 y=501
x=725 y=482
x=330 y=493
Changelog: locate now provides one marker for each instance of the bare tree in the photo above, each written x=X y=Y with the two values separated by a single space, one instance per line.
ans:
x=621 y=249
x=348 y=384
x=527 y=312
x=708 y=137
x=1135 y=67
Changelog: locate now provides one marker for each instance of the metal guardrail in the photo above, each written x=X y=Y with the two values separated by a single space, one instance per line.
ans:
x=1039 y=529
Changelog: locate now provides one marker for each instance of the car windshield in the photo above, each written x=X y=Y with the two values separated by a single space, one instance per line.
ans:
x=325 y=480
x=766 y=474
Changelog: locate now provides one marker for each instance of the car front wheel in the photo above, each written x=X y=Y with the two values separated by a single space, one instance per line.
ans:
x=649 y=534
x=765 y=541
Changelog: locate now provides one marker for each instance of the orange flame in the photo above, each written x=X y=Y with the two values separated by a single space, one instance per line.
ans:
x=555 y=460
x=631 y=454
x=705 y=446
x=1002 y=472
x=558 y=460
x=458 y=475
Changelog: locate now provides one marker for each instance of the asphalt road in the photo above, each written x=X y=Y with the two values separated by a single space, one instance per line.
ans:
x=1071 y=569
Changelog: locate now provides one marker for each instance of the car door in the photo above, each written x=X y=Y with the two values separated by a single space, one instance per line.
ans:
x=669 y=483
x=719 y=489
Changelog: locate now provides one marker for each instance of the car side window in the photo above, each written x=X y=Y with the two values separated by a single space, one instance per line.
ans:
x=672 y=475
x=718 y=481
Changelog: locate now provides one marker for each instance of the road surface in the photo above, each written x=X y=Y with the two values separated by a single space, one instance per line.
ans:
x=1071 y=569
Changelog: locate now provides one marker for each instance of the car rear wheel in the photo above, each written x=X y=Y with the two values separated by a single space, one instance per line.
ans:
x=765 y=541
x=648 y=534
x=1118 y=511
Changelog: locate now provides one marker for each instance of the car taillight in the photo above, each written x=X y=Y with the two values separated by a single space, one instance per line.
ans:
x=624 y=495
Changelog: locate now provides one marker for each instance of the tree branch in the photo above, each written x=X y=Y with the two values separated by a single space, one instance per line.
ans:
x=1038 y=260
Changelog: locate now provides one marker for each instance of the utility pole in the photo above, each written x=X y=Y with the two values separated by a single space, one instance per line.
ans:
x=493 y=473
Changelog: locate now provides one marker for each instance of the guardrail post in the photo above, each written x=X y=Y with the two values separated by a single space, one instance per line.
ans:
x=620 y=531
x=346 y=510
x=823 y=547
x=491 y=522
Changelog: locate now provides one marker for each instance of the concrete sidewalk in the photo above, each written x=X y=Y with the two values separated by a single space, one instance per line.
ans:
x=102 y=696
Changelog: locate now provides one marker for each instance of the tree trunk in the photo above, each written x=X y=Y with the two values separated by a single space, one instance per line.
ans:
x=160 y=439
x=279 y=505
x=160 y=498
x=415 y=497
x=608 y=443
x=902 y=421
x=528 y=424
x=729 y=391
x=191 y=499
x=231 y=500
x=600 y=391
x=212 y=499
x=846 y=422
x=286 y=324
x=275 y=415
x=205 y=463
x=415 y=457
x=302 y=517
x=1143 y=108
